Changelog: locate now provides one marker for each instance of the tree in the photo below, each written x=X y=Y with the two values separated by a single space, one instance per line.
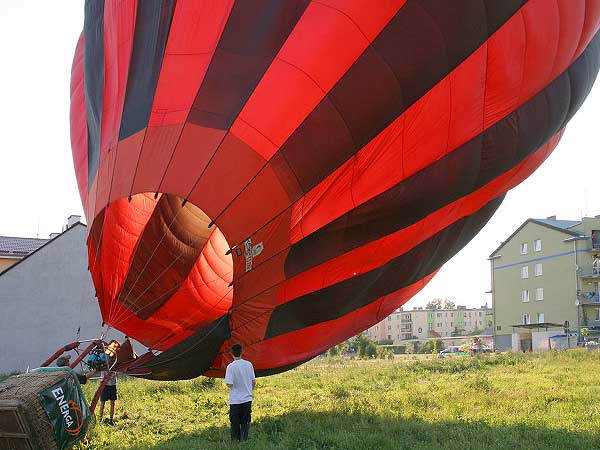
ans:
x=338 y=350
x=449 y=304
x=475 y=332
x=436 y=303
x=440 y=303
x=364 y=346
x=433 y=346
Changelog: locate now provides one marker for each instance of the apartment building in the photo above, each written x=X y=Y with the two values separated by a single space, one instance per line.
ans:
x=545 y=278
x=419 y=324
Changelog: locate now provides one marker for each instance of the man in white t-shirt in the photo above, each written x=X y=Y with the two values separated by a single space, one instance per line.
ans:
x=240 y=380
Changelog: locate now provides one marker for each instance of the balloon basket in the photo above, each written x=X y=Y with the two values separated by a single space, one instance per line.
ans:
x=42 y=410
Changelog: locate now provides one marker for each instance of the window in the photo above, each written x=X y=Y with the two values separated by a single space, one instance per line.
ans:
x=479 y=313
x=389 y=337
x=451 y=314
x=540 y=318
x=480 y=322
x=525 y=272
x=439 y=325
x=498 y=327
x=539 y=294
x=439 y=315
x=538 y=270
x=526 y=319
x=537 y=245
x=524 y=248
x=524 y=295
x=389 y=318
x=451 y=324
x=430 y=326
x=598 y=314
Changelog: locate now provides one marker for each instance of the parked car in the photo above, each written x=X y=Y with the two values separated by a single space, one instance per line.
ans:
x=453 y=350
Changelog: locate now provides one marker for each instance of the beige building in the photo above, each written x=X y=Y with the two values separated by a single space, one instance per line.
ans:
x=543 y=275
x=419 y=324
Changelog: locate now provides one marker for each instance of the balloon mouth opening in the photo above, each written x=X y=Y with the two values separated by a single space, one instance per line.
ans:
x=179 y=272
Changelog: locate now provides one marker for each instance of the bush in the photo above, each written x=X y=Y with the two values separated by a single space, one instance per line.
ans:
x=364 y=346
x=433 y=346
x=384 y=353
x=396 y=349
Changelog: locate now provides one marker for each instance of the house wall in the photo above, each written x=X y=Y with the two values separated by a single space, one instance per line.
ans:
x=558 y=279
x=6 y=262
x=44 y=299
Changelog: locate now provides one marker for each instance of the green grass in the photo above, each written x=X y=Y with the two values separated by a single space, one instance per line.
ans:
x=536 y=401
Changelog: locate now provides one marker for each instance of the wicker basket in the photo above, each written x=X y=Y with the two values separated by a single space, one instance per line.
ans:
x=23 y=422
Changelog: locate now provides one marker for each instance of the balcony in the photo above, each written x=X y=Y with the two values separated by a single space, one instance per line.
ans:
x=405 y=320
x=588 y=299
x=594 y=276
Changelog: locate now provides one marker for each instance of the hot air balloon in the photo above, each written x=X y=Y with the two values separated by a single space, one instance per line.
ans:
x=285 y=174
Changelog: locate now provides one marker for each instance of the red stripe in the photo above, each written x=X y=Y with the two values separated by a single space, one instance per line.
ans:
x=125 y=162
x=591 y=23
x=119 y=25
x=447 y=116
x=326 y=41
x=79 y=137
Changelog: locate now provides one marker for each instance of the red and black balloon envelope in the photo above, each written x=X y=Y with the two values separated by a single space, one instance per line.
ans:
x=285 y=173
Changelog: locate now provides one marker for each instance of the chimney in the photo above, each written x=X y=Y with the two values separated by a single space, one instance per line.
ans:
x=72 y=220
x=551 y=218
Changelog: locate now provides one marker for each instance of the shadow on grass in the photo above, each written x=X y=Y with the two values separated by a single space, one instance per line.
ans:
x=336 y=431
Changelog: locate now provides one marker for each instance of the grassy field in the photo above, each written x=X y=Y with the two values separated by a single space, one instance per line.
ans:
x=543 y=401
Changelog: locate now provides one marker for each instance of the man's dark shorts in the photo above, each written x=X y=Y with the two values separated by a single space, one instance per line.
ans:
x=108 y=393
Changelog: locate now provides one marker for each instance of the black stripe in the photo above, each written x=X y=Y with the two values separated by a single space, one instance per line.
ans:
x=424 y=42
x=152 y=24
x=342 y=298
x=254 y=33
x=191 y=357
x=93 y=75
x=466 y=169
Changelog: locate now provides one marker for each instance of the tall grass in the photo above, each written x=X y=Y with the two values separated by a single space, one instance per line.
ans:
x=535 y=401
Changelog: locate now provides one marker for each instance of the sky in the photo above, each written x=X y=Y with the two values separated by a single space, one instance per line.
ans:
x=38 y=190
